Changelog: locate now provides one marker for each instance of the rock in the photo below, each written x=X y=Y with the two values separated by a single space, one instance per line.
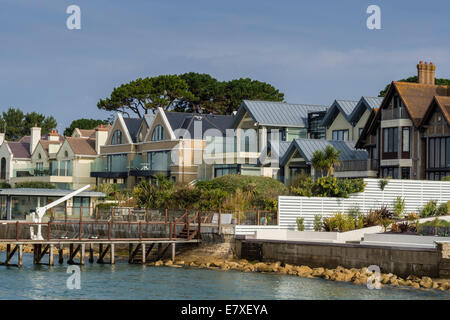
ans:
x=394 y=282
x=175 y=266
x=168 y=263
x=435 y=285
x=356 y=281
x=318 y=272
x=415 y=285
x=179 y=262
x=304 y=271
x=159 y=263
x=426 y=282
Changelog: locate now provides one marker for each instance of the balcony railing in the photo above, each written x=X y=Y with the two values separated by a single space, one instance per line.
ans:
x=358 y=165
x=31 y=172
x=394 y=113
x=116 y=166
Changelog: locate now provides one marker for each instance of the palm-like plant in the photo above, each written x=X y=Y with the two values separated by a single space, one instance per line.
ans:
x=318 y=161
x=331 y=158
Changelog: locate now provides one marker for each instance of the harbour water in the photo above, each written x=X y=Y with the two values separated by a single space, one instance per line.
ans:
x=124 y=281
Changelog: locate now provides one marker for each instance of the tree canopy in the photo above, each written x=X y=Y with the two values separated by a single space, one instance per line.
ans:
x=16 y=124
x=189 y=92
x=414 y=79
x=83 y=124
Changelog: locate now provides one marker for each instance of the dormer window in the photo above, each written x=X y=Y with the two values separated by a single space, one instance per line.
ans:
x=66 y=154
x=117 y=137
x=158 y=133
x=39 y=156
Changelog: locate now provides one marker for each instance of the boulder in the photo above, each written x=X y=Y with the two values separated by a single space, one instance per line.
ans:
x=159 y=263
x=318 y=272
x=168 y=263
x=426 y=282
x=304 y=271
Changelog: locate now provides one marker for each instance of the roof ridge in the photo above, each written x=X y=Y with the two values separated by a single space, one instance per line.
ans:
x=291 y=103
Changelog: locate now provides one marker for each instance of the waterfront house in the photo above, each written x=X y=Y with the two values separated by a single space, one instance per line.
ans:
x=409 y=133
x=345 y=119
x=297 y=159
x=167 y=143
x=255 y=125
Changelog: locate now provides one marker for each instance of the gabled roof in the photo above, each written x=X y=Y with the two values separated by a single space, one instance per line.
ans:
x=443 y=103
x=365 y=103
x=268 y=113
x=416 y=97
x=183 y=120
x=306 y=148
x=19 y=150
x=46 y=143
x=345 y=107
x=133 y=125
x=367 y=128
x=87 y=133
x=82 y=146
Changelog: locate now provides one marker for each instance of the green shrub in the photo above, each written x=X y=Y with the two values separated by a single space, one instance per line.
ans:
x=300 y=224
x=430 y=209
x=327 y=187
x=5 y=185
x=302 y=185
x=399 y=207
x=443 y=209
x=446 y=178
x=35 y=184
x=340 y=222
x=106 y=205
x=383 y=183
x=317 y=222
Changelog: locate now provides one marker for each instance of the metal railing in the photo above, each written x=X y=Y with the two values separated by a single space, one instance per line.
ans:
x=358 y=165
x=394 y=113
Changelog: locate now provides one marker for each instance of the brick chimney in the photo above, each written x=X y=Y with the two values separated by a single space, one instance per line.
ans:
x=426 y=72
x=53 y=135
x=34 y=138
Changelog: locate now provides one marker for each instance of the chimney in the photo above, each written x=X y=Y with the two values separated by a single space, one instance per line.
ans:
x=34 y=138
x=53 y=135
x=101 y=134
x=426 y=72
x=2 y=138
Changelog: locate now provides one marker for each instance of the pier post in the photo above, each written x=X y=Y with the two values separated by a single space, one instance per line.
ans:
x=20 y=261
x=50 y=255
x=173 y=251
x=144 y=253
x=112 y=253
x=100 y=253
x=8 y=253
x=82 y=253
x=70 y=254
x=61 y=254
x=91 y=253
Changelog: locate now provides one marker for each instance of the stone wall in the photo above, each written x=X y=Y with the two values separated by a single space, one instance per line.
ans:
x=399 y=261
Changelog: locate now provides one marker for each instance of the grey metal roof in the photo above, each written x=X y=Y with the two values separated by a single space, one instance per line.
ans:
x=184 y=120
x=47 y=192
x=346 y=107
x=281 y=114
x=306 y=147
x=365 y=103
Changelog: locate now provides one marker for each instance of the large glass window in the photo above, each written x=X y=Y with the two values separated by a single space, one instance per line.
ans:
x=159 y=160
x=448 y=152
x=117 y=137
x=158 y=133
x=340 y=135
x=406 y=140
x=390 y=139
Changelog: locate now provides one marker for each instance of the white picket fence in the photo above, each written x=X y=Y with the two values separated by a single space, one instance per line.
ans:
x=416 y=194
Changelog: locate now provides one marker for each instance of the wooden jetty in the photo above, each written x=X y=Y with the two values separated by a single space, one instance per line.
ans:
x=139 y=249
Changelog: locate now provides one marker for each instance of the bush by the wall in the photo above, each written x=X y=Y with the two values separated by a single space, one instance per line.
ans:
x=5 y=185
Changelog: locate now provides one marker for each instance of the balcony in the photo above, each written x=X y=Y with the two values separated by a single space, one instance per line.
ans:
x=142 y=167
x=110 y=167
x=31 y=172
x=394 y=114
x=358 y=165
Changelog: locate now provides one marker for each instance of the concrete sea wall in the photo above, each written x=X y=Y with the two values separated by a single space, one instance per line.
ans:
x=396 y=260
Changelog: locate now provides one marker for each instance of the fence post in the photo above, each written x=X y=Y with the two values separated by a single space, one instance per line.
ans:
x=129 y=214
x=17 y=230
x=96 y=214
x=81 y=225
x=166 y=214
x=49 y=230
x=109 y=230
x=65 y=214
x=170 y=230
x=112 y=214
x=140 y=230
x=258 y=217
x=146 y=214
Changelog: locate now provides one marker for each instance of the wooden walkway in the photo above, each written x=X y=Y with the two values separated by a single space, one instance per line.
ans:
x=97 y=249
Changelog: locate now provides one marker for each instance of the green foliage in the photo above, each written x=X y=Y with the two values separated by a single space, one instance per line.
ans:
x=443 y=209
x=430 y=209
x=106 y=205
x=300 y=224
x=189 y=92
x=326 y=160
x=327 y=187
x=383 y=183
x=446 y=178
x=153 y=196
x=341 y=222
x=35 y=184
x=414 y=79
x=318 y=222
x=399 y=207
x=18 y=124
x=5 y=185
x=86 y=124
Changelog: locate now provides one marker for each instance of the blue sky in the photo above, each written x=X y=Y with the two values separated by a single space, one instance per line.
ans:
x=313 y=51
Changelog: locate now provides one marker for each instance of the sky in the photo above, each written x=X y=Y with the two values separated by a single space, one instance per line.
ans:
x=312 y=51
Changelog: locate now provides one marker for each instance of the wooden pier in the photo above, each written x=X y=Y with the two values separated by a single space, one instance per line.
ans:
x=100 y=247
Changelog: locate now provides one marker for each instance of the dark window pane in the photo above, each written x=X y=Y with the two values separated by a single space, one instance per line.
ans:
x=431 y=148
